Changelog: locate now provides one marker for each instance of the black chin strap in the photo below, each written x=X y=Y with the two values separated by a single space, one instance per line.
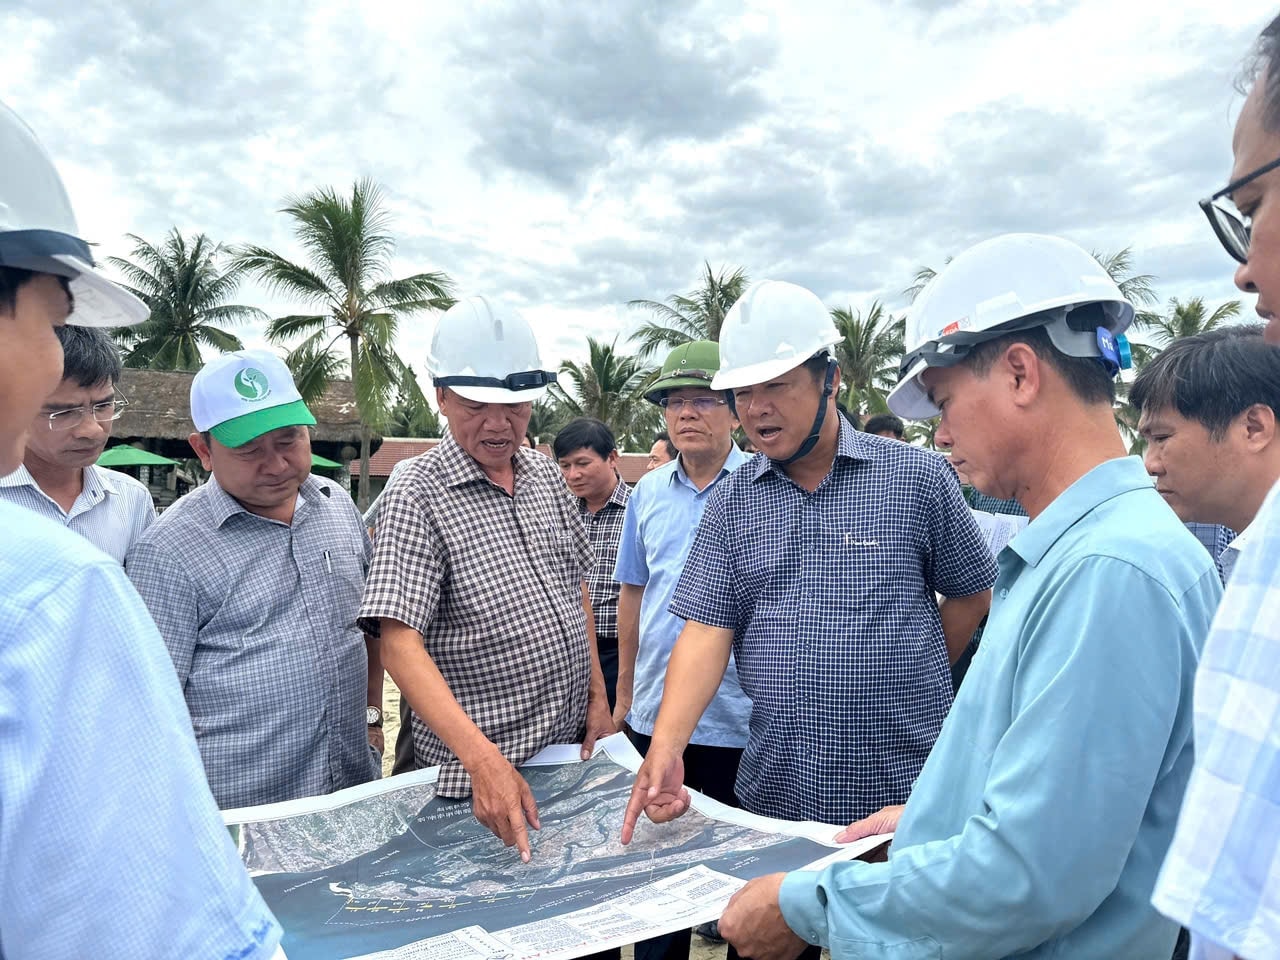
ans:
x=811 y=441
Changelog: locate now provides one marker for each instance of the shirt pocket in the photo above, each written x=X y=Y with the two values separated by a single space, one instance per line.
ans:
x=342 y=583
x=557 y=555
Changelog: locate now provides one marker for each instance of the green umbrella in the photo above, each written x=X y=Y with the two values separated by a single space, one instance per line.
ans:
x=126 y=456
x=324 y=462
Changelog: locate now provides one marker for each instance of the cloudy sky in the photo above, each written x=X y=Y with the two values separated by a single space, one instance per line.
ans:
x=572 y=156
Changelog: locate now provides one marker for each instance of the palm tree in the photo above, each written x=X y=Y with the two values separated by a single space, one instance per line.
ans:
x=546 y=419
x=410 y=419
x=186 y=288
x=356 y=307
x=608 y=387
x=697 y=316
x=869 y=352
x=1181 y=320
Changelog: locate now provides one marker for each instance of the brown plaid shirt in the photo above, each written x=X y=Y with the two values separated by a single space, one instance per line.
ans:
x=604 y=527
x=494 y=585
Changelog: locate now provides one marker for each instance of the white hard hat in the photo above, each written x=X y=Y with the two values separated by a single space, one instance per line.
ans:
x=774 y=327
x=1012 y=282
x=38 y=230
x=486 y=352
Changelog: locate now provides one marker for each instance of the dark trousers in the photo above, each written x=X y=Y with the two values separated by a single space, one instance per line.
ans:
x=404 y=741
x=709 y=770
x=607 y=647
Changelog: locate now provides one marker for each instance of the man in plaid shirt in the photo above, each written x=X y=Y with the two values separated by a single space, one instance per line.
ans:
x=588 y=458
x=477 y=584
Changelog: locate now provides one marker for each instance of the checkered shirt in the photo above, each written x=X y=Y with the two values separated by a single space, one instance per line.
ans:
x=604 y=528
x=1221 y=878
x=493 y=582
x=837 y=637
x=260 y=620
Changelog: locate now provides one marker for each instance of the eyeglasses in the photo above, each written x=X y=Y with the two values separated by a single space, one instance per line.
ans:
x=103 y=412
x=1231 y=226
x=701 y=404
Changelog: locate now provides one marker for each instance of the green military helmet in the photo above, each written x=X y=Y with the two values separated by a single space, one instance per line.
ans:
x=688 y=365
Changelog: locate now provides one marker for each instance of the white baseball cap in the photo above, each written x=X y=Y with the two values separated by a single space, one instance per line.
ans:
x=240 y=396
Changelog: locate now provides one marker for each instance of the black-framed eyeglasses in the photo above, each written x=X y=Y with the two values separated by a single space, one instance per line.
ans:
x=701 y=404
x=103 y=412
x=1233 y=228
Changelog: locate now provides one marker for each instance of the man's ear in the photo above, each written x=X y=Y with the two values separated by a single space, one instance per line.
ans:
x=1259 y=423
x=1022 y=365
x=201 y=450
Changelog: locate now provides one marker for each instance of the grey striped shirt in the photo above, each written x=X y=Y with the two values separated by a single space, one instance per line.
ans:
x=260 y=620
x=111 y=512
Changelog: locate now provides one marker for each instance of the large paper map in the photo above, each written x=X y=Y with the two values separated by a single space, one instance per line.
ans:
x=391 y=869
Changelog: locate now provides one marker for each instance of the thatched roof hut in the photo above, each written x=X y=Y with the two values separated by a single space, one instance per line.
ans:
x=159 y=415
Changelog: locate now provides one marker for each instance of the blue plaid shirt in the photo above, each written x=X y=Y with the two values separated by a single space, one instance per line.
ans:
x=1222 y=876
x=837 y=638
x=114 y=849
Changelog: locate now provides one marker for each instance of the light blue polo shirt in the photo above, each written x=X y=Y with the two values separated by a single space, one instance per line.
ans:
x=1041 y=818
x=662 y=518
x=110 y=842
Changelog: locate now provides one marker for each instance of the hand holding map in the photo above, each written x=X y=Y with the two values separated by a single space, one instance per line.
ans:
x=502 y=801
x=659 y=790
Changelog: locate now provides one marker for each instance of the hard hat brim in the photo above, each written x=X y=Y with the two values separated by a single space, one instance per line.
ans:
x=754 y=373
x=100 y=302
x=909 y=399
x=497 y=394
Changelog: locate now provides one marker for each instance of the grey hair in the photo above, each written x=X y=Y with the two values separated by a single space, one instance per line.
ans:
x=1263 y=66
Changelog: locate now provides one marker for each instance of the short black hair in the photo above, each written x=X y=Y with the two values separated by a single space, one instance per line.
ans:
x=1212 y=377
x=665 y=437
x=886 y=421
x=89 y=356
x=1086 y=377
x=11 y=278
x=584 y=432
x=817 y=365
x=1263 y=66
x=849 y=415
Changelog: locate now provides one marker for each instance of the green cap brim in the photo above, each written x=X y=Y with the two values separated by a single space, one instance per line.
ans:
x=238 y=432
x=660 y=388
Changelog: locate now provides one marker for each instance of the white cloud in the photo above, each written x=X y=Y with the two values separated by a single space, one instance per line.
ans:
x=571 y=157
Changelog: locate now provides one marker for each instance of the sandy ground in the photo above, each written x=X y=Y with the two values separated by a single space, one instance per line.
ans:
x=700 y=950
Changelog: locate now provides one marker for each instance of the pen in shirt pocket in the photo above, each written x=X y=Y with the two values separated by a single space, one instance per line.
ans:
x=328 y=564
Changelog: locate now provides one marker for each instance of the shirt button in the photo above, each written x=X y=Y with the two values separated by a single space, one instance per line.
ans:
x=1004 y=592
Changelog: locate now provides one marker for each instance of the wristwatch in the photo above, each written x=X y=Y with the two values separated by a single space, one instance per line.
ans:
x=373 y=716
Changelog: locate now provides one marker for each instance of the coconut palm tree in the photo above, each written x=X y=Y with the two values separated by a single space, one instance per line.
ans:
x=1181 y=320
x=187 y=288
x=869 y=352
x=699 y=315
x=609 y=387
x=355 y=308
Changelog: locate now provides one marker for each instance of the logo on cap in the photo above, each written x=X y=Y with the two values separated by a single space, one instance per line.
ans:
x=252 y=384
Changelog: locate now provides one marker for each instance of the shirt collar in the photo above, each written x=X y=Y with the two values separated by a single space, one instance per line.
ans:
x=222 y=506
x=851 y=444
x=94 y=479
x=618 y=498
x=460 y=468
x=733 y=461
x=1104 y=482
